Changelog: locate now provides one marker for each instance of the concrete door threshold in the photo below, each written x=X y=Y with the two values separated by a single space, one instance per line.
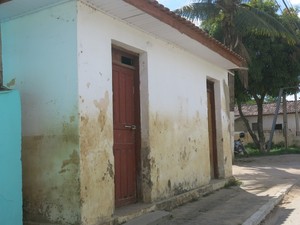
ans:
x=130 y=212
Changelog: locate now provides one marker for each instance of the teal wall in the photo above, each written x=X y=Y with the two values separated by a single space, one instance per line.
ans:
x=10 y=159
x=40 y=61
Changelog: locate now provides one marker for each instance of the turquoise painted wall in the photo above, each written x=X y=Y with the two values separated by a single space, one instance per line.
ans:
x=10 y=159
x=40 y=61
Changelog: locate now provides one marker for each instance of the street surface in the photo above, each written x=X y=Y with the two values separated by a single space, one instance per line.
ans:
x=277 y=170
x=260 y=173
x=288 y=212
x=261 y=178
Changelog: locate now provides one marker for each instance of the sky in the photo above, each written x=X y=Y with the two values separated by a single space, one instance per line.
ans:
x=175 y=4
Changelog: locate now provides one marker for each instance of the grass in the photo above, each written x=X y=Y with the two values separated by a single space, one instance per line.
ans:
x=232 y=182
x=276 y=150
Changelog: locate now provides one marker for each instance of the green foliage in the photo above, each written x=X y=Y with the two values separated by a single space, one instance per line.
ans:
x=268 y=41
x=229 y=20
x=277 y=149
x=270 y=99
x=233 y=182
x=274 y=64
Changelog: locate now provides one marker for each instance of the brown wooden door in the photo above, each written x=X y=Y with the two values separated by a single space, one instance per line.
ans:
x=125 y=134
x=212 y=130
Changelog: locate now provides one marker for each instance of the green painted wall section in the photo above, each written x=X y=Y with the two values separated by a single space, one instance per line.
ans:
x=10 y=159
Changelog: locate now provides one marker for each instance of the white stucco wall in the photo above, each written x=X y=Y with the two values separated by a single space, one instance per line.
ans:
x=268 y=121
x=175 y=155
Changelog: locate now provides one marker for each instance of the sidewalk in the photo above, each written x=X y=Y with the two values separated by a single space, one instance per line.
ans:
x=265 y=181
x=229 y=206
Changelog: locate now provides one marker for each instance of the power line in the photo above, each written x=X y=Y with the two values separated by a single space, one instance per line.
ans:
x=279 y=6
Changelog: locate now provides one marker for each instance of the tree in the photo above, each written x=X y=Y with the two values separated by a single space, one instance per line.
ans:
x=274 y=64
x=268 y=42
x=230 y=20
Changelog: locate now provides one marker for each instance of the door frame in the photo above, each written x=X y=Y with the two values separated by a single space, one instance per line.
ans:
x=213 y=150
x=117 y=54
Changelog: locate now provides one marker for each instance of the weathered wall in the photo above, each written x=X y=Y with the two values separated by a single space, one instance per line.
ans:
x=178 y=133
x=62 y=65
x=96 y=124
x=39 y=58
x=174 y=154
x=10 y=158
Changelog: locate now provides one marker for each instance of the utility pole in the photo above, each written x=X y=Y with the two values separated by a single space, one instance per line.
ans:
x=275 y=119
x=296 y=115
x=285 y=124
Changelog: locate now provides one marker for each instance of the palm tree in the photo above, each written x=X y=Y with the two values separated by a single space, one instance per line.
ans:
x=230 y=20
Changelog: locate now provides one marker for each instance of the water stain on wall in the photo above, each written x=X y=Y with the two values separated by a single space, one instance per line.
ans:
x=176 y=141
x=74 y=159
x=72 y=119
x=184 y=158
x=70 y=132
x=109 y=171
x=50 y=180
x=102 y=105
x=146 y=175
x=96 y=163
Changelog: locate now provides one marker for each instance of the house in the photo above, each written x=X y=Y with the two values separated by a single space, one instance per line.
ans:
x=122 y=102
x=250 y=112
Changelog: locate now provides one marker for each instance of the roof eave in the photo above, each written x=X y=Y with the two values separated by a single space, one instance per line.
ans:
x=186 y=27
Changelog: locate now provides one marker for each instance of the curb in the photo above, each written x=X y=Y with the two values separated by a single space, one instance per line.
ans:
x=264 y=210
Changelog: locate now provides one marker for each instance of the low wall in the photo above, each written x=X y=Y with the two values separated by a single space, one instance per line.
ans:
x=278 y=138
x=10 y=159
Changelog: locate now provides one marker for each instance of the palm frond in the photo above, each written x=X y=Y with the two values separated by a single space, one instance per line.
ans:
x=251 y=20
x=199 y=11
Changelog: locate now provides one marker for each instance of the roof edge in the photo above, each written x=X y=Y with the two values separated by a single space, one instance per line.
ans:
x=160 y=12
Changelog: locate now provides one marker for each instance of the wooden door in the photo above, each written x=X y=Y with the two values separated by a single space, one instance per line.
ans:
x=125 y=116
x=212 y=130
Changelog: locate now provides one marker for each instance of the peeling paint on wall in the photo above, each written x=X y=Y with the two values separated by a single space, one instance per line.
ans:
x=102 y=105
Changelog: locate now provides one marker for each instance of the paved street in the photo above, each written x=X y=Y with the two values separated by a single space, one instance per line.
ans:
x=261 y=173
x=288 y=212
x=275 y=170
x=263 y=178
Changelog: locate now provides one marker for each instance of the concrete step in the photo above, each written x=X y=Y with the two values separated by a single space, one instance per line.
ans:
x=152 y=218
